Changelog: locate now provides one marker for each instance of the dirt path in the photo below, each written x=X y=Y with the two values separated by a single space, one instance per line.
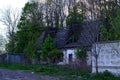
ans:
x=6 y=74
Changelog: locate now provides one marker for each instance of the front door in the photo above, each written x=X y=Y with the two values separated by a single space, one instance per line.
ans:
x=70 y=58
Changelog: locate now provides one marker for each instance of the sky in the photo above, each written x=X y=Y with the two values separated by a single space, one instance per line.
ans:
x=19 y=4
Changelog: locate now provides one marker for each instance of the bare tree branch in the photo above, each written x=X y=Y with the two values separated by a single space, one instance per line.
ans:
x=10 y=18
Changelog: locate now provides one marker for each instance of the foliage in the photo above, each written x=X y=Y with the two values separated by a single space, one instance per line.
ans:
x=55 y=55
x=46 y=47
x=49 y=51
x=105 y=76
x=110 y=29
x=115 y=24
x=81 y=52
x=30 y=27
x=31 y=49
x=8 y=47
x=74 y=16
x=43 y=69
x=108 y=8
x=104 y=33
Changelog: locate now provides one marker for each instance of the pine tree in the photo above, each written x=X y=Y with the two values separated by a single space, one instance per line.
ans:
x=49 y=51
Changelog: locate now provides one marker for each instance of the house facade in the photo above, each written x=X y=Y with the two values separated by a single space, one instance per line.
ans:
x=69 y=38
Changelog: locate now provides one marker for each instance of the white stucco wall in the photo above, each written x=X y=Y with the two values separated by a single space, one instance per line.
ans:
x=66 y=55
x=108 y=57
x=72 y=51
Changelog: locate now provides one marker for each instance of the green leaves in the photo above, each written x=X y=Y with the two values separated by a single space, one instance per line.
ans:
x=29 y=29
x=74 y=16
x=115 y=23
x=111 y=28
x=81 y=52
x=49 y=51
x=47 y=46
x=31 y=49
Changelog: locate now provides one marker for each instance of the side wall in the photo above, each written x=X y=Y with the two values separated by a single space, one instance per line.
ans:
x=108 y=57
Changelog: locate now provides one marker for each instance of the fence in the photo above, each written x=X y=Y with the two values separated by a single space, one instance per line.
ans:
x=14 y=58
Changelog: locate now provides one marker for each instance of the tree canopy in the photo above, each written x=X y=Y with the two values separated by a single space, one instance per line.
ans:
x=49 y=52
x=29 y=27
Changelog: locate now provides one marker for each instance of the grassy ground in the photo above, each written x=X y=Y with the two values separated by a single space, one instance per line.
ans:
x=43 y=69
x=61 y=71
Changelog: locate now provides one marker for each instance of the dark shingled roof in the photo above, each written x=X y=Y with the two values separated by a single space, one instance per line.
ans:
x=61 y=37
x=87 y=36
x=89 y=33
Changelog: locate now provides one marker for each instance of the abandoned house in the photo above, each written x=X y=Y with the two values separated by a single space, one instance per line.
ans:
x=67 y=39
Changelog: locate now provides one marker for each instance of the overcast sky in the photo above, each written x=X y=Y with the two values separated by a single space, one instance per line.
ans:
x=10 y=3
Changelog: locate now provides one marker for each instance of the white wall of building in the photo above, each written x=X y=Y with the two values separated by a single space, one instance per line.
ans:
x=109 y=57
x=66 y=55
x=67 y=52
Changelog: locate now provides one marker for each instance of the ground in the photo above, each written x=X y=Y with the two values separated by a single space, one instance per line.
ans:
x=45 y=72
x=6 y=74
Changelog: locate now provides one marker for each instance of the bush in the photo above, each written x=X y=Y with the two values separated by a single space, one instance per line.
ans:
x=55 y=55
x=81 y=52
x=104 y=76
x=49 y=51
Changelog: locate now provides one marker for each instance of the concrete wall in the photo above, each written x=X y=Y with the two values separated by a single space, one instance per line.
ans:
x=108 y=57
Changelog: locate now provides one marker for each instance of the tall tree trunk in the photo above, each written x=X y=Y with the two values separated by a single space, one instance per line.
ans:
x=96 y=64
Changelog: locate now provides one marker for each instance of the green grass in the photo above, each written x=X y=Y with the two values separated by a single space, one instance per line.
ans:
x=61 y=71
x=43 y=69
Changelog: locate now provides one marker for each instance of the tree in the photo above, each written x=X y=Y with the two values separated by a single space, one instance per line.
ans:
x=31 y=50
x=55 y=13
x=30 y=26
x=2 y=43
x=110 y=29
x=49 y=51
x=55 y=55
x=115 y=26
x=10 y=18
x=96 y=52
x=74 y=16
x=81 y=52
x=108 y=8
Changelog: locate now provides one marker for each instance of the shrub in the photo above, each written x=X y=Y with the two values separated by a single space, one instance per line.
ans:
x=104 y=76
x=55 y=55
x=81 y=52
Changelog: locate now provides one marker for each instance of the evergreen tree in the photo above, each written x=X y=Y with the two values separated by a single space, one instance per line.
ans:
x=30 y=26
x=49 y=51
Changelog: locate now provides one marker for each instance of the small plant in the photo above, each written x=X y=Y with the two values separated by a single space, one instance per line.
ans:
x=81 y=52
x=104 y=76
x=49 y=51
x=56 y=55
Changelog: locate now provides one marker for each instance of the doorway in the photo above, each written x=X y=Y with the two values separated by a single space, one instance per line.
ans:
x=70 y=58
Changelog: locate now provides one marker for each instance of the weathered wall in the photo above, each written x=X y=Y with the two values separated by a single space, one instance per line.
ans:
x=108 y=57
x=66 y=55
x=72 y=51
